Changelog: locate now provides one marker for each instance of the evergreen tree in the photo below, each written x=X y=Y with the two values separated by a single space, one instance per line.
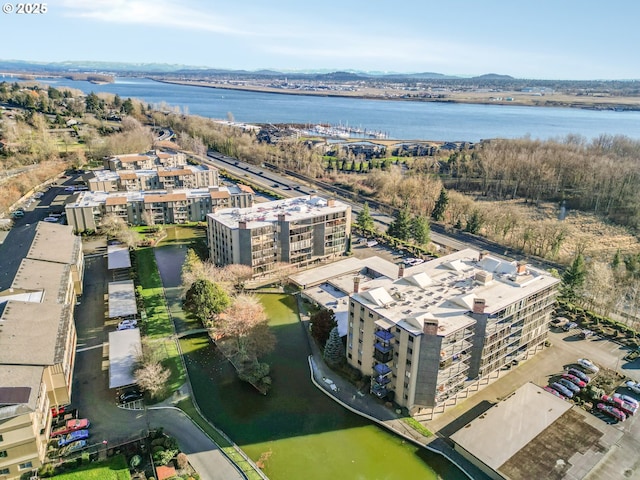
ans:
x=574 y=277
x=441 y=206
x=334 y=350
x=400 y=228
x=127 y=106
x=420 y=230
x=474 y=223
x=364 y=219
x=322 y=322
x=205 y=299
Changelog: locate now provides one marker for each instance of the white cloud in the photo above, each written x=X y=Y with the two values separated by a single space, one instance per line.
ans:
x=159 y=13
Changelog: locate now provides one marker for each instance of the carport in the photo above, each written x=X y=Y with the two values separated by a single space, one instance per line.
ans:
x=118 y=257
x=124 y=349
x=122 y=299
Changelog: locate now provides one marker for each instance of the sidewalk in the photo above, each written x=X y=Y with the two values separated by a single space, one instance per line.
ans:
x=362 y=403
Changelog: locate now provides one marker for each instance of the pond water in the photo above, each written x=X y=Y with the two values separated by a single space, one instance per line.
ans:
x=295 y=431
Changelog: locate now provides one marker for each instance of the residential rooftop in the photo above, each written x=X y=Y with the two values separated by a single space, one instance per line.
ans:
x=33 y=333
x=20 y=388
x=48 y=277
x=118 y=257
x=110 y=175
x=122 y=299
x=95 y=199
x=444 y=289
x=265 y=214
x=55 y=243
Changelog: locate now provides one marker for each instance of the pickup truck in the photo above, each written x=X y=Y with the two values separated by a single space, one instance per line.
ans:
x=632 y=355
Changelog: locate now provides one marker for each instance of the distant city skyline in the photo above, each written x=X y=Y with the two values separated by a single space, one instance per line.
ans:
x=575 y=40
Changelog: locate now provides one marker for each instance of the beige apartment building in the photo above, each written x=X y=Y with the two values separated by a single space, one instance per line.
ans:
x=442 y=326
x=85 y=209
x=145 y=161
x=25 y=421
x=158 y=178
x=300 y=231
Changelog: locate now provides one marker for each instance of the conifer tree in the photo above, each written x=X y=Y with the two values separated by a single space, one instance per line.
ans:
x=334 y=350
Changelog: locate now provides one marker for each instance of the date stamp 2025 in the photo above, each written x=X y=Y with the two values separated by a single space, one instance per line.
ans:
x=25 y=8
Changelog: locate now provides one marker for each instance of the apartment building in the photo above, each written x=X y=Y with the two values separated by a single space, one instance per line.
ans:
x=25 y=422
x=442 y=326
x=85 y=209
x=158 y=178
x=145 y=161
x=300 y=231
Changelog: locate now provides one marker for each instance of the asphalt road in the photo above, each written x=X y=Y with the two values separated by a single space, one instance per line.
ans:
x=16 y=244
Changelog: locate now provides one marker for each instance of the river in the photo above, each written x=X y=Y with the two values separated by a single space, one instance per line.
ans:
x=399 y=119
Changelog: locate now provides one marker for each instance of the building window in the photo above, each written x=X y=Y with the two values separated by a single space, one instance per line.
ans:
x=410 y=339
x=24 y=466
x=4 y=471
x=349 y=355
x=359 y=362
x=410 y=351
x=3 y=454
x=1 y=439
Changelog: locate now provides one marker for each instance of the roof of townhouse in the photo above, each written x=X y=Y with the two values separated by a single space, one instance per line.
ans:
x=21 y=386
x=174 y=172
x=68 y=247
x=113 y=200
x=445 y=289
x=165 y=197
x=34 y=333
x=245 y=188
x=267 y=213
x=127 y=175
x=133 y=157
x=49 y=277
x=220 y=193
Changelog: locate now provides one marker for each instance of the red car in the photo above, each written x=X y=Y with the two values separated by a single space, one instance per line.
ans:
x=55 y=411
x=575 y=380
x=70 y=426
x=554 y=392
x=613 y=411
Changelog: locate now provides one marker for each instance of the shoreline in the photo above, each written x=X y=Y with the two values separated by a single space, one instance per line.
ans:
x=517 y=98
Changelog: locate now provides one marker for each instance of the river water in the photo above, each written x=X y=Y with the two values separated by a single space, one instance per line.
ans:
x=399 y=119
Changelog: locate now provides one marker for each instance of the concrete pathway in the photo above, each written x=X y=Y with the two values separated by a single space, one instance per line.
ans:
x=204 y=455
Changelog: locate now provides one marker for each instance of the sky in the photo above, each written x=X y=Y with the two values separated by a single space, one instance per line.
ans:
x=543 y=39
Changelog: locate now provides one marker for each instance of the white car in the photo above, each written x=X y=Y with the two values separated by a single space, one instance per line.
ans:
x=588 y=365
x=51 y=219
x=127 y=324
x=633 y=386
x=627 y=398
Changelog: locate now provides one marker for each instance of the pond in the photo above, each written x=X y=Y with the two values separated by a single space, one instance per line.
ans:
x=295 y=431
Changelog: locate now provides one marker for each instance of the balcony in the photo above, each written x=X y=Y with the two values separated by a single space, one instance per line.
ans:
x=384 y=335
x=382 y=369
x=383 y=353
x=379 y=390
x=380 y=380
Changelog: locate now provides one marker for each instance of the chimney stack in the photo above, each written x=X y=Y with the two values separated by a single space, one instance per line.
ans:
x=522 y=267
x=478 y=305
x=331 y=202
x=281 y=217
x=482 y=254
x=242 y=224
x=356 y=284
x=401 y=270
x=430 y=327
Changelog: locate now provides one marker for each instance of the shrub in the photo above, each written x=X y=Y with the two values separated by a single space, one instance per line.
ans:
x=182 y=460
x=157 y=449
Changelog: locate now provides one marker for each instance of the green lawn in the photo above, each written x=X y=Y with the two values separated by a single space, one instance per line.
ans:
x=158 y=326
x=113 y=469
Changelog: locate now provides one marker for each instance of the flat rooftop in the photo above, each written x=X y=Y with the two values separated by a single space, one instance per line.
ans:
x=265 y=214
x=33 y=333
x=25 y=381
x=519 y=419
x=124 y=348
x=67 y=247
x=444 y=289
x=122 y=299
x=118 y=257
x=112 y=176
x=94 y=199
x=50 y=277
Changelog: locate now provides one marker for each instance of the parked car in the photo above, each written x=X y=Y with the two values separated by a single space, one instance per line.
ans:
x=580 y=374
x=73 y=437
x=130 y=395
x=588 y=365
x=569 y=326
x=570 y=385
x=38 y=195
x=575 y=380
x=71 y=425
x=562 y=389
x=554 y=392
x=558 y=321
x=633 y=386
x=627 y=398
x=73 y=447
x=626 y=407
x=612 y=411
x=51 y=219
x=586 y=333
x=18 y=214
x=127 y=324
x=57 y=411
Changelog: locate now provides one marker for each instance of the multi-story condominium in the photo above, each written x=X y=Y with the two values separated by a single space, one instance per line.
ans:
x=145 y=161
x=300 y=231
x=85 y=209
x=159 y=178
x=441 y=326
x=25 y=420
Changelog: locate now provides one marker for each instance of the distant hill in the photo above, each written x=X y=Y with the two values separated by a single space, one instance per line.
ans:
x=493 y=76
